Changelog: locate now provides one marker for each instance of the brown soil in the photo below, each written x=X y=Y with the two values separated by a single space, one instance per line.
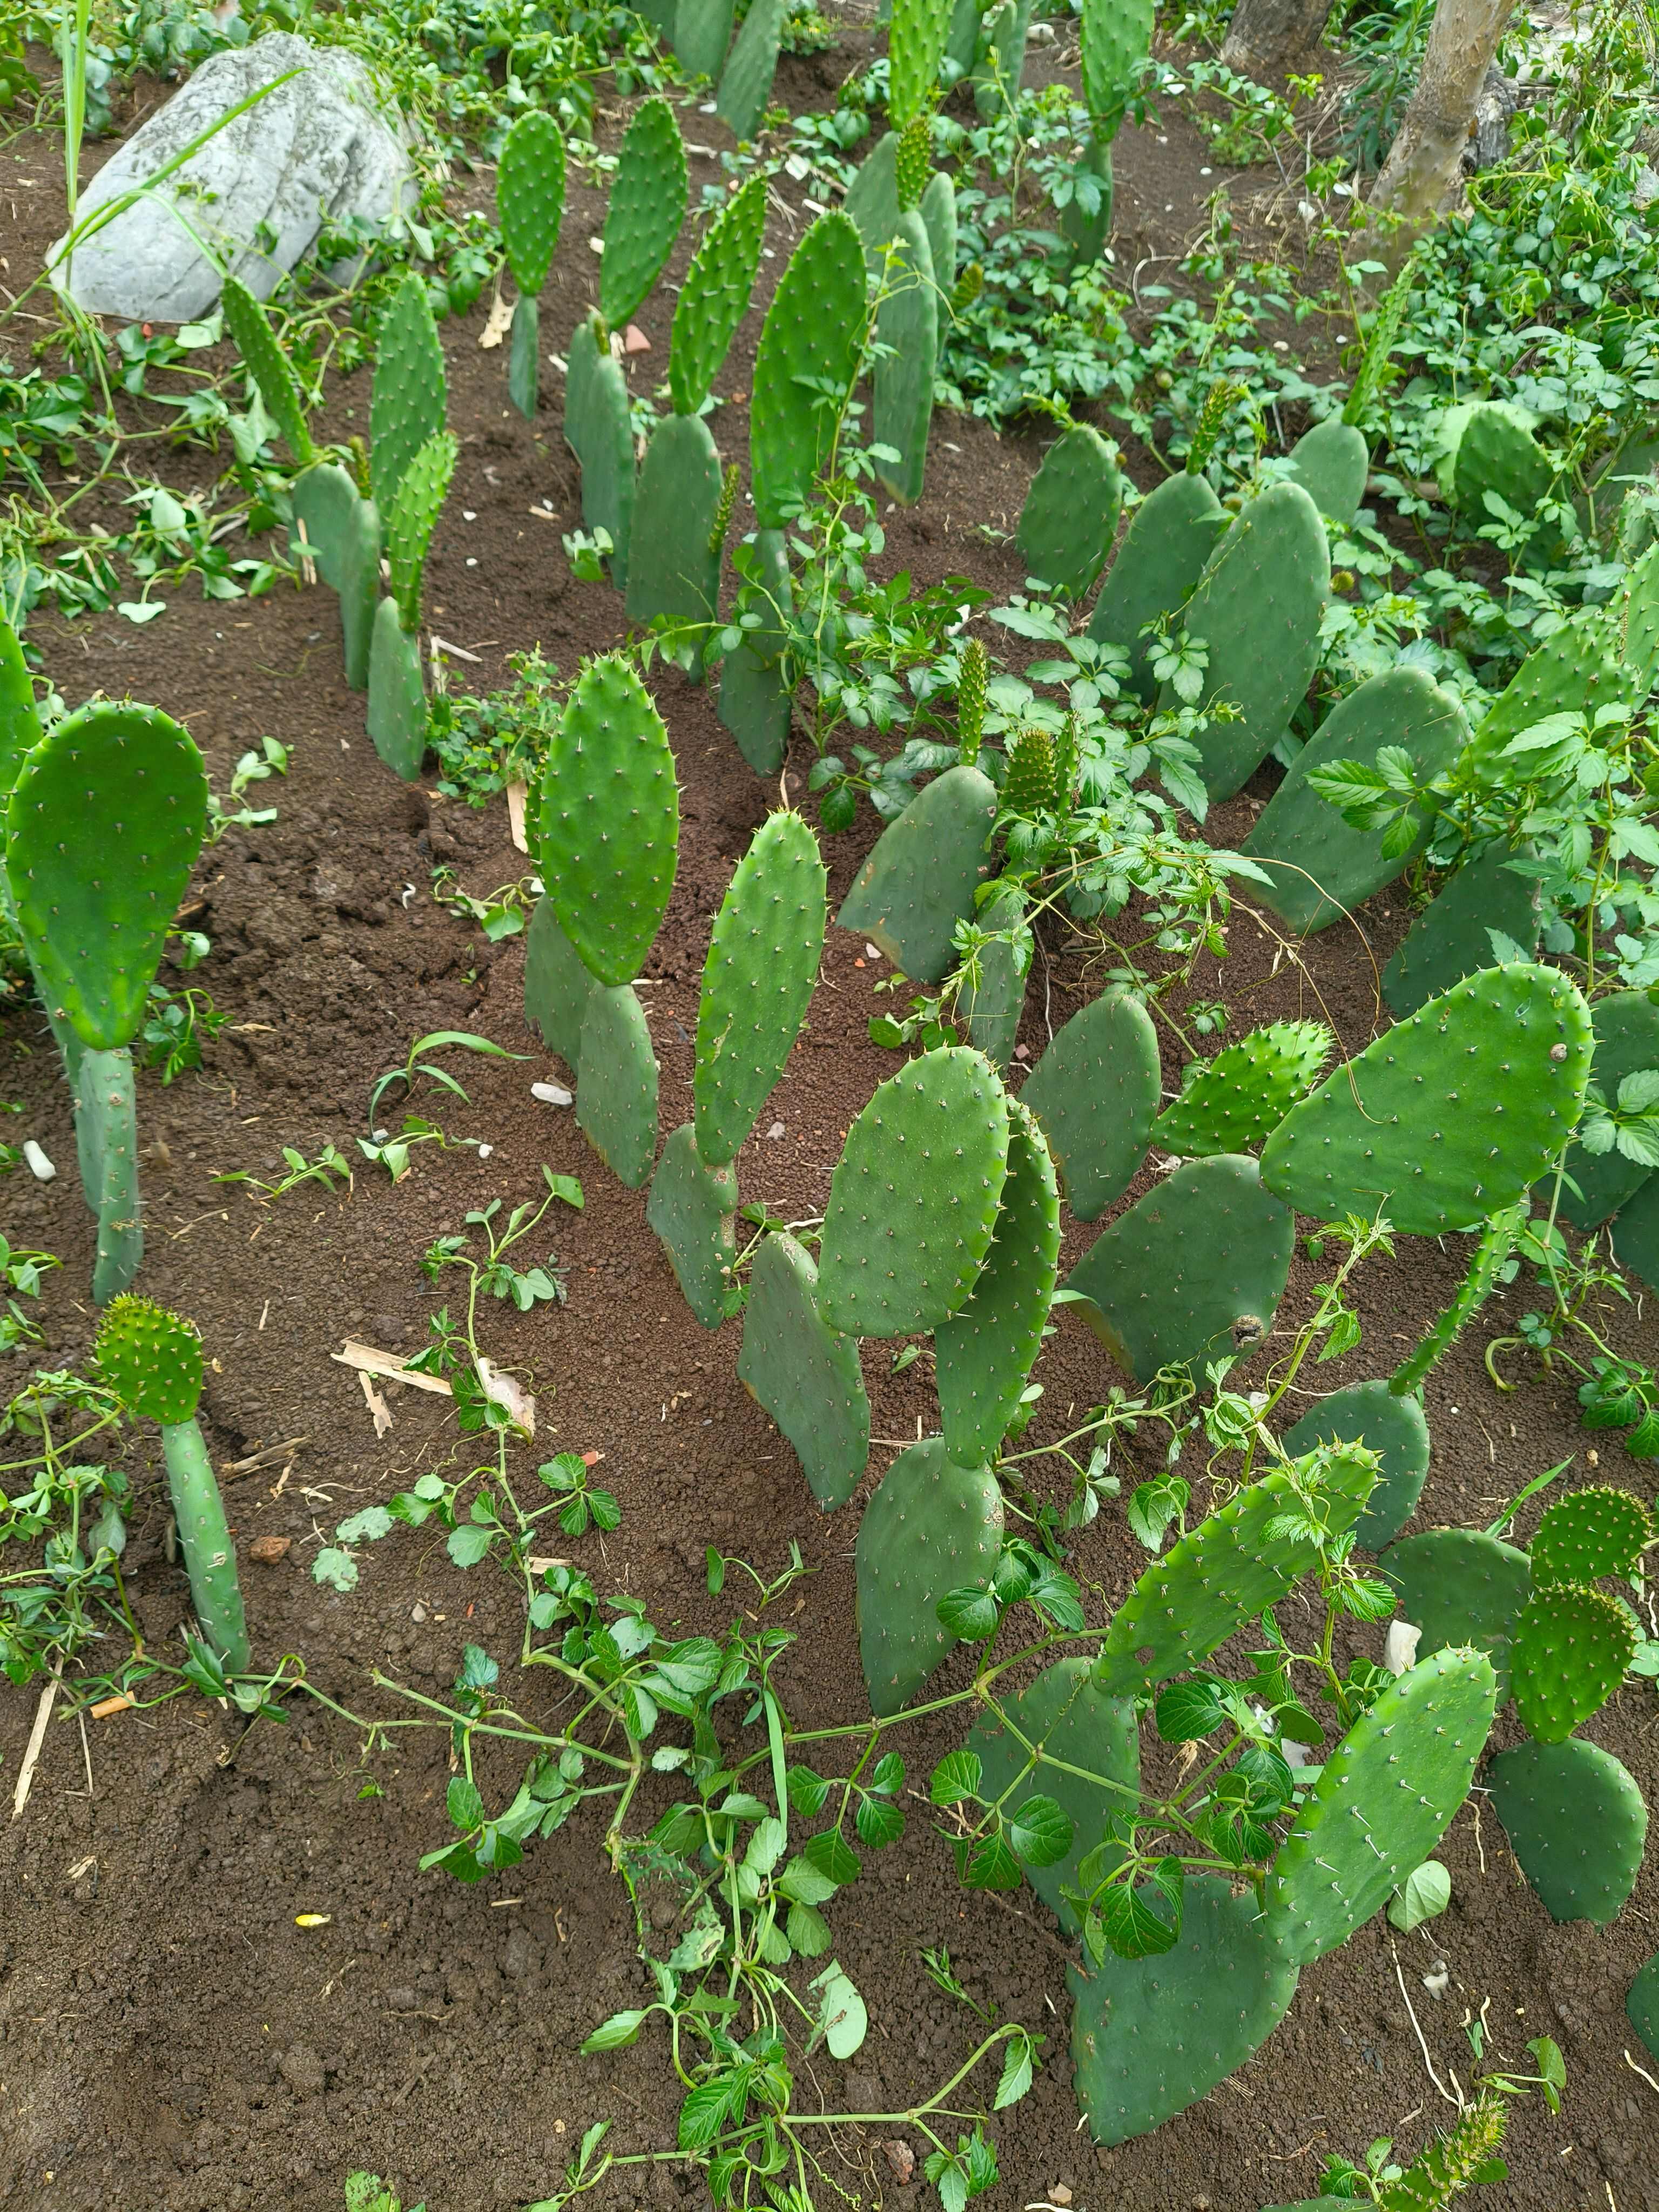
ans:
x=171 y=2040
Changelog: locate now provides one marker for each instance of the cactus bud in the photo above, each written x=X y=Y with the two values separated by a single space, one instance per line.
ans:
x=970 y=701
x=913 y=162
x=723 y=512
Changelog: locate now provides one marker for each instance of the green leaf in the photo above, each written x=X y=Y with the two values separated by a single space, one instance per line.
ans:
x=1188 y=1711
x=467 y=1545
x=1018 y=2064
x=616 y=2032
x=705 y=2111
x=1424 y=1895
x=807 y=1790
x=337 y=1569
x=1140 y=1922
x=841 y=2014
x=365 y=1527
x=833 y=1856
x=804 y=1884
x=959 y=1775
x=465 y=1804
x=808 y=1930
x=878 y=1823
x=1040 y=1833
x=970 y=1613
x=887 y=1777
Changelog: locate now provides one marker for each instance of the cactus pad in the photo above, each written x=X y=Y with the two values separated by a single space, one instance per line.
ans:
x=20 y=724
x=1460 y=1588
x=1171 y=537
x=413 y=517
x=1567 y=1656
x=598 y=429
x=1626 y=1029
x=616 y=1085
x=1451 y=938
x=745 y=83
x=802 y=1373
x=1590 y=1533
x=920 y=878
x=342 y=533
x=991 y=1003
x=1642 y=2005
x=932 y=1527
x=556 y=985
x=756 y=981
x=872 y=197
x=917 y=31
x=984 y=1353
x=407 y=403
x=1576 y=1822
x=270 y=366
x=1095 y=1091
x=645 y=209
x=814 y=329
x=907 y=328
x=1194 y=1271
x=757 y=683
x=1071 y=511
x=1578 y=669
x=1395 y=1428
x=106 y=1144
x=913 y=1202
x=1497 y=454
x=700 y=30
x=1331 y=463
x=397 y=718
x=151 y=1359
x=1241 y=1096
x=715 y=297
x=1636 y=1233
x=673 y=550
x=1385 y=1796
x=693 y=1210
x=529 y=197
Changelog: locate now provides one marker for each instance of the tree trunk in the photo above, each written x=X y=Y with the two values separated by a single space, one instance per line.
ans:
x=1424 y=161
x=1268 y=38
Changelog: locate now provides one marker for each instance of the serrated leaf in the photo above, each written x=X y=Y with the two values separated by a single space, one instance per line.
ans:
x=1040 y=1833
x=959 y=1775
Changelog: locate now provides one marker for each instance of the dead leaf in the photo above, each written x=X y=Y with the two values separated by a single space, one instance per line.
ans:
x=106 y=1706
x=499 y=323
x=268 y=1551
x=377 y=1405
x=517 y=794
x=503 y=1390
x=388 y=1367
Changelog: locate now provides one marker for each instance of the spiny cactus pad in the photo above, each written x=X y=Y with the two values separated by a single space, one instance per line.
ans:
x=803 y=1373
x=1460 y=1588
x=529 y=197
x=1070 y=514
x=872 y=197
x=1452 y=937
x=1636 y=1233
x=932 y=1526
x=645 y=209
x=699 y=30
x=151 y=1359
x=609 y=820
x=524 y=356
x=1494 y=1244
x=984 y=1353
x=1171 y=537
x=413 y=517
x=410 y=395
x=673 y=560
x=1450 y=1115
x=1114 y=38
x=1497 y=453
x=745 y=83
x=1331 y=462
x=106 y=1144
x=1626 y=1028
x=1576 y=670
x=342 y=533
x=1590 y=1533
x=269 y=366
x=917 y=30
x=1095 y=1092
x=1642 y=2005
x=1567 y=1656
x=939 y=219
x=1395 y=1428
x=693 y=1210
x=991 y=1005
x=1064 y=1714
x=556 y=985
x=1576 y=1822
x=1030 y=787
x=1151 y=2036
x=397 y=717
x=598 y=429
x=1240 y=1097
x=756 y=684
x=814 y=329
x=1385 y=1796
x=913 y=1202
x=920 y=877
x=616 y=1085
x=756 y=981
x=102 y=829
x=1193 y=1271
x=715 y=297
x=906 y=326
x=20 y=724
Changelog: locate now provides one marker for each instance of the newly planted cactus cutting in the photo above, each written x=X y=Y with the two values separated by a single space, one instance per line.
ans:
x=1239 y=1097
x=811 y=340
x=411 y=392
x=616 y=1084
x=1171 y=537
x=1393 y=1427
x=1071 y=512
x=598 y=429
x=530 y=202
x=1576 y=1821
x=920 y=880
x=267 y=365
x=644 y=210
x=693 y=1209
x=340 y=530
x=397 y=693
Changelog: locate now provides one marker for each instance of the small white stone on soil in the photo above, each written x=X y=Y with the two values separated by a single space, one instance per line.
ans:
x=552 y=1094
x=39 y=1165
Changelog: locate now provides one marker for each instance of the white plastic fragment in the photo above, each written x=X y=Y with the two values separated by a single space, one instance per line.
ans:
x=552 y=1094
x=39 y=1165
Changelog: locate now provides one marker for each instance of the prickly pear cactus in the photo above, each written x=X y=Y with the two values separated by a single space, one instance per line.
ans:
x=1151 y=2036
x=397 y=718
x=907 y=326
x=524 y=356
x=971 y=683
x=556 y=985
x=616 y=1085
x=1460 y=1588
x=756 y=981
x=938 y=220
x=756 y=680
x=103 y=826
x=1448 y=1117
x=913 y=163
x=269 y=366
x=1170 y=540
x=1493 y=1245
x=802 y=1373
x=1625 y=1025
x=914 y=1199
x=715 y=297
x=609 y=820
x=1567 y=1656
x=915 y=48
x=985 y=1351
x=1636 y=1233
x=406 y=405
x=420 y=495
x=598 y=429
x=814 y=330
x=1331 y=463
x=152 y=1360
x=1095 y=1092
x=1070 y=514
x=645 y=209
x=693 y=1209
x=1385 y=1796
x=701 y=29
x=932 y=1527
x=529 y=197
x=920 y=878
x=1452 y=937
x=1114 y=39
x=673 y=552
x=745 y=83
x=1395 y=1428
x=1642 y=2005
x=342 y=534
x=1590 y=1533
x=19 y=725
x=106 y=1145
x=990 y=1004
x=1496 y=452
x=1576 y=1822
x=1578 y=669
x=1194 y=1271
x=873 y=199
x=1240 y=1097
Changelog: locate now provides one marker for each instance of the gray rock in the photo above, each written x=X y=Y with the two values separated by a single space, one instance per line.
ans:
x=318 y=148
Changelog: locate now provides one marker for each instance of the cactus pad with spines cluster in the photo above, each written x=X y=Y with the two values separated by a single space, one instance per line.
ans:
x=913 y=163
x=715 y=297
x=103 y=826
x=598 y=429
x=343 y=536
x=1114 y=39
x=1590 y=1533
x=1576 y=1824
x=746 y=82
x=616 y=1084
x=971 y=700
x=1452 y=937
x=1331 y=463
x=1194 y=1271
x=1071 y=512
x=1218 y=1577
x=756 y=679
x=1577 y=669
x=409 y=394
x=914 y=1199
x=609 y=820
x=991 y=1002
x=269 y=366
x=1065 y=1715
x=1240 y=1097
x=1171 y=537
x=1151 y=2036
x=907 y=328
x=693 y=1210
x=1567 y=1655
x=152 y=1360
x=20 y=724
x=814 y=329
x=420 y=495
x=1028 y=789
x=644 y=213
x=920 y=878
x=1396 y=1429
x=872 y=200
x=917 y=31
x=932 y=1526
x=673 y=543
x=1460 y=1588
x=529 y=197
x=397 y=717
x=556 y=985
x=756 y=981
x=1463 y=2157
x=984 y=1353
x=700 y=30
x=802 y=1373
x=1627 y=1030
x=1095 y=1092
x=1385 y=1796
x=1448 y=1117
x=106 y=1144
x=1496 y=452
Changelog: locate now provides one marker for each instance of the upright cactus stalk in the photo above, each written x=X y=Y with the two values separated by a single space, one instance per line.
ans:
x=745 y=84
x=1115 y=38
x=917 y=37
x=342 y=534
x=647 y=208
x=410 y=395
x=530 y=202
x=269 y=366
x=1171 y=535
x=715 y=297
x=20 y=723
x=396 y=692
x=970 y=701
x=907 y=338
x=813 y=337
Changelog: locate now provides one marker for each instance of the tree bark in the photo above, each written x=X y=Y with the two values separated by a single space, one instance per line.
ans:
x=1268 y=38
x=1424 y=161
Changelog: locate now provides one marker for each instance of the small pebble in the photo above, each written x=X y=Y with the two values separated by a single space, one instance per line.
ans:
x=268 y=1551
x=775 y=1131
x=902 y=2160
x=552 y=1094
x=1060 y=2194
x=417 y=1613
x=635 y=340
x=872 y=952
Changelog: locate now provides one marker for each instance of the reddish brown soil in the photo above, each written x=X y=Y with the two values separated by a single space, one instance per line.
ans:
x=171 y=2040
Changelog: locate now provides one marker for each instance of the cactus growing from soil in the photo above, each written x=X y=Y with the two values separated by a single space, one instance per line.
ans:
x=1071 y=511
x=715 y=297
x=1496 y=1241
x=397 y=690
x=1115 y=38
x=530 y=203
x=1331 y=463
x=267 y=365
x=1396 y=1429
x=1576 y=1824
x=932 y=1526
x=409 y=396
x=644 y=210
x=756 y=678
x=1095 y=1091
x=1625 y=1026
x=920 y=877
x=1171 y=537
x=1452 y=937
x=916 y=36
x=746 y=82
x=1488 y=447
x=340 y=530
x=556 y=985
x=674 y=542
x=598 y=429
x=1240 y=1097
x=811 y=336
x=693 y=1210
x=802 y=1373
x=1460 y=1587
x=616 y=1084
x=907 y=338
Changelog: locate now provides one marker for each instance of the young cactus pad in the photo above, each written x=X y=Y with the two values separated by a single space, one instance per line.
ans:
x=269 y=366
x=408 y=400
x=529 y=197
x=906 y=331
x=1579 y=669
x=1194 y=1271
x=674 y=540
x=1114 y=39
x=1448 y=1117
x=1095 y=1091
x=1071 y=511
x=397 y=717
x=811 y=336
x=645 y=209
x=1461 y=1586
x=984 y=1353
x=1241 y=1096
x=413 y=517
x=933 y=1527
x=1497 y=454
x=609 y=820
x=756 y=981
x=920 y=877
x=1590 y=1533
x=745 y=84
x=1576 y=1822
x=1396 y=1429
x=20 y=724
x=1331 y=463
x=103 y=827
x=1625 y=1024
x=556 y=985
x=1567 y=1655
x=1171 y=537
x=693 y=1209
x=1385 y=1796
x=756 y=681
x=616 y=1085
x=802 y=1373
x=1452 y=937
x=699 y=30
x=343 y=535
x=917 y=31
x=1151 y=2036
x=913 y=1200
x=872 y=197
x=715 y=297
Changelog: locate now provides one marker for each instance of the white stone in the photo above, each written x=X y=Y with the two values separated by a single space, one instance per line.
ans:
x=320 y=146
x=39 y=1165
x=551 y=1094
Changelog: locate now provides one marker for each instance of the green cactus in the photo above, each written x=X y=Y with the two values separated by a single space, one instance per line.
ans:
x=997 y=78
x=872 y=200
x=1493 y=449
x=1240 y=1097
x=1577 y=669
x=1625 y=1025
x=970 y=701
x=915 y=50
x=961 y=39
x=1169 y=543
x=758 y=688
x=913 y=163
x=912 y=1201
x=1590 y=1533
x=804 y=1375
x=1028 y=787
x=674 y=553
x=1460 y=1588
x=1496 y=1241
x=1331 y=462
x=907 y=327
x=556 y=985
x=700 y=30
x=1642 y=2004
x=106 y=1146
x=930 y=1527
x=1085 y=221
x=745 y=83
x=1396 y=1429
x=1151 y=2036
x=1385 y=1796
x=693 y=1210
x=1095 y=1092
x=524 y=356
x=616 y=1084
x=410 y=395
x=1321 y=867
x=397 y=719
x=1463 y=2157
x=598 y=429
x=152 y=1360
x=715 y=297
x=645 y=209
x=269 y=366
x=1636 y=1233
x=20 y=724
x=1258 y=607
x=1576 y=1822
x=343 y=535
x=756 y=981
x=421 y=492
x=1194 y=1271
x=530 y=178
x=1450 y=1115
x=812 y=335
x=991 y=1004
x=938 y=220
x=1114 y=39
x=609 y=820
x=1452 y=937
x=1070 y=515
x=1568 y=1655
x=920 y=877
